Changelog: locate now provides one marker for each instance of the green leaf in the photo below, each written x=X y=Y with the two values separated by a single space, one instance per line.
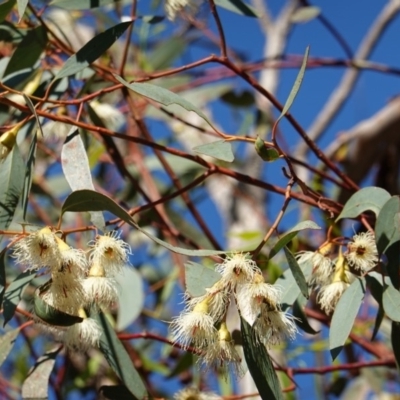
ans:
x=376 y=289
x=305 y=14
x=395 y=334
x=268 y=154
x=81 y=4
x=88 y=200
x=29 y=175
x=12 y=173
x=387 y=228
x=119 y=392
x=13 y=293
x=244 y=98
x=289 y=288
x=21 y=7
x=296 y=86
x=3 y=280
x=290 y=234
x=119 y=360
x=297 y=272
x=198 y=278
x=163 y=96
x=344 y=315
x=130 y=297
x=391 y=303
x=92 y=50
x=5 y=9
x=28 y=51
x=260 y=364
x=370 y=198
x=36 y=385
x=301 y=317
x=75 y=165
x=220 y=150
x=238 y=7
x=6 y=343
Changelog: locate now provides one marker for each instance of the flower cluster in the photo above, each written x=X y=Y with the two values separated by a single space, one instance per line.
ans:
x=81 y=283
x=174 y=7
x=192 y=393
x=202 y=324
x=332 y=276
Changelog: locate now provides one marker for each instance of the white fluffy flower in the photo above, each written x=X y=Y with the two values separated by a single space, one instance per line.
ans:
x=173 y=7
x=330 y=294
x=101 y=291
x=84 y=335
x=192 y=393
x=111 y=252
x=362 y=253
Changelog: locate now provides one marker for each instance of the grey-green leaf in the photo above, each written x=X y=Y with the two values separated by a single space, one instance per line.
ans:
x=391 y=303
x=238 y=7
x=92 y=50
x=198 y=278
x=296 y=86
x=5 y=9
x=6 y=343
x=394 y=336
x=369 y=198
x=36 y=385
x=21 y=7
x=387 y=228
x=89 y=200
x=305 y=14
x=81 y=4
x=221 y=150
x=119 y=360
x=13 y=293
x=3 y=280
x=12 y=173
x=163 y=96
x=290 y=234
x=297 y=272
x=301 y=317
x=268 y=154
x=344 y=315
x=130 y=297
x=260 y=364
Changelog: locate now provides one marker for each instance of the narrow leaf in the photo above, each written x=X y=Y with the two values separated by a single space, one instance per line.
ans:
x=130 y=297
x=305 y=14
x=12 y=174
x=75 y=165
x=301 y=317
x=369 y=198
x=88 y=200
x=387 y=228
x=238 y=7
x=36 y=385
x=119 y=360
x=290 y=234
x=81 y=4
x=344 y=315
x=13 y=293
x=260 y=364
x=5 y=9
x=220 y=150
x=395 y=334
x=297 y=272
x=92 y=50
x=198 y=278
x=163 y=96
x=296 y=86
x=119 y=392
x=391 y=303
x=3 y=280
x=21 y=7
x=6 y=343
x=28 y=51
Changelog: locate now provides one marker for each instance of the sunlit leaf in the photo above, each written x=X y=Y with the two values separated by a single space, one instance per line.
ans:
x=221 y=150
x=366 y=199
x=119 y=360
x=88 y=200
x=387 y=228
x=130 y=297
x=198 y=278
x=268 y=154
x=290 y=234
x=12 y=173
x=13 y=293
x=344 y=315
x=238 y=7
x=36 y=385
x=296 y=86
x=28 y=51
x=297 y=272
x=6 y=343
x=92 y=50
x=391 y=303
x=163 y=96
x=260 y=364
x=75 y=165
x=22 y=4
x=305 y=14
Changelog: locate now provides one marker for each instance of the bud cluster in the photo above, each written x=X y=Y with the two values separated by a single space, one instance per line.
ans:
x=202 y=324
x=331 y=274
x=81 y=282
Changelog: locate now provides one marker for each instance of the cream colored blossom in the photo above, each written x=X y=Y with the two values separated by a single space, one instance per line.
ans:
x=362 y=253
x=192 y=393
x=174 y=7
x=101 y=291
x=330 y=294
